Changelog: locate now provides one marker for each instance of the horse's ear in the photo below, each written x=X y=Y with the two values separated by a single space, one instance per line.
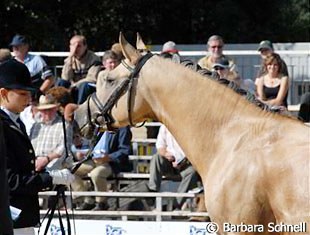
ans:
x=140 y=44
x=128 y=50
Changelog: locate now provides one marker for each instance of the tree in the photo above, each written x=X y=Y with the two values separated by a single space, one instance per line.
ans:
x=50 y=24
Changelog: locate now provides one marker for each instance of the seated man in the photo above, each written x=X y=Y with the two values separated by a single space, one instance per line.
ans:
x=171 y=160
x=80 y=69
x=47 y=135
x=215 y=47
x=170 y=51
x=110 y=155
x=41 y=75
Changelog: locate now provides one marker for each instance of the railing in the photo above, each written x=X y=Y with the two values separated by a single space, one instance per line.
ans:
x=248 y=61
x=157 y=212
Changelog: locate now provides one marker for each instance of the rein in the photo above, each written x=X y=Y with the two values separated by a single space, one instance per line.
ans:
x=127 y=85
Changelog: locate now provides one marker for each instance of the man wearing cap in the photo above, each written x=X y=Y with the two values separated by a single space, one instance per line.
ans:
x=170 y=51
x=41 y=76
x=23 y=180
x=265 y=48
x=47 y=135
x=215 y=47
x=221 y=66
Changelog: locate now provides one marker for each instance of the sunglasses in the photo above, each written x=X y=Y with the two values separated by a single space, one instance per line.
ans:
x=218 y=68
x=219 y=47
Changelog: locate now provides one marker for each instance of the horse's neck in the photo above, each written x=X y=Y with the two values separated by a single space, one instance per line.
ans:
x=195 y=109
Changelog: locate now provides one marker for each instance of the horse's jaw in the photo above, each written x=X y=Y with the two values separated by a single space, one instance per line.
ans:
x=81 y=118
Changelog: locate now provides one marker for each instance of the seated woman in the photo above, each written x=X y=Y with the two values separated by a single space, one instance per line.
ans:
x=272 y=87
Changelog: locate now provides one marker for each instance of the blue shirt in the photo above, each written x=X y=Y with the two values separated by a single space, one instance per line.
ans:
x=37 y=66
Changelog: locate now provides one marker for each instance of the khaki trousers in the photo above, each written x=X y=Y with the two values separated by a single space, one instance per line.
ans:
x=98 y=174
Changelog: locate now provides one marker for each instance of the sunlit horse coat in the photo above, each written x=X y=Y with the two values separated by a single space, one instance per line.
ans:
x=254 y=164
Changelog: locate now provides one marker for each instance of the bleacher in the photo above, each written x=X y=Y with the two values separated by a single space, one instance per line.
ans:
x=126 y=185
x=125 y=188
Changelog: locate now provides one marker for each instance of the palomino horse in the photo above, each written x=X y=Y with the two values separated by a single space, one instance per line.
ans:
x=254 y=164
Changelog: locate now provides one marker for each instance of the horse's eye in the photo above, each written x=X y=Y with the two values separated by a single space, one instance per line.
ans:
x=110 y=81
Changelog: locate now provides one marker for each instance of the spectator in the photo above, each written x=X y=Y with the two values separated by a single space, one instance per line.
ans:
x=30 y=114
x=41 y=76
x=110 y=155
x=5 y=54
x=272 y=87
x=215 y=48
x=170 y=51
x=23 y=180
x=47 y=135
x=109 y=61
x=80 y=69
x=62 y=95
x=266 y=48
x=171 y=160
x=304 y=110
x=221 y=67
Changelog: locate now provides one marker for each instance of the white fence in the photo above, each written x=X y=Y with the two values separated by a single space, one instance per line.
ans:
x=248 y=61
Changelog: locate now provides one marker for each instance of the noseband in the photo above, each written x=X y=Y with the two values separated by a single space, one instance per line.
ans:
x=105 y=111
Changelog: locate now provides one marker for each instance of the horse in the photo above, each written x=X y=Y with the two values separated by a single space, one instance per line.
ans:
x=254 y=164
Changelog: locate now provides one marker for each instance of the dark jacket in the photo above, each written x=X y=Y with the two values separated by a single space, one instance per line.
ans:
x=24 y=182
x=119 y=147
x=6 y=226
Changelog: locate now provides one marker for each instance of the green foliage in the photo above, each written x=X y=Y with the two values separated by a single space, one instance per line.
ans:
x=51 y=23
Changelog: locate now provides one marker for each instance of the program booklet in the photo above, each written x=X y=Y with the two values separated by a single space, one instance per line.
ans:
x=15 y=212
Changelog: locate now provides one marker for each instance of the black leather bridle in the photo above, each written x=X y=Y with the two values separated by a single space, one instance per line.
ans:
x=126 y=85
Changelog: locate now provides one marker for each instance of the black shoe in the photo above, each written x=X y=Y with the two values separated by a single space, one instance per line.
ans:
x=86 y=206
x=150 y=200
x=101 y=206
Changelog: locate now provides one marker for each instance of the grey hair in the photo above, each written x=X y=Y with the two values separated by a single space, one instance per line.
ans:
x=215 y=38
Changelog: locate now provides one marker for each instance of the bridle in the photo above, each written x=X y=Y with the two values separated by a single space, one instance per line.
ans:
x=105 y=111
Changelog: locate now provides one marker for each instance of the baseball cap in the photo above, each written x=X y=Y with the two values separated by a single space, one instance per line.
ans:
x=19 y=40
x=222 y=63
x=169 y=46
x=266 y=44
x=15 y=75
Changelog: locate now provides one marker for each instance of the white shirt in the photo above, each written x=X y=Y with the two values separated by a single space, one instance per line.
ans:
x=166 y=140
x=27 y=117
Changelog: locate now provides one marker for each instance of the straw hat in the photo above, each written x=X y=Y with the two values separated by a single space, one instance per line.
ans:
x=47 y=102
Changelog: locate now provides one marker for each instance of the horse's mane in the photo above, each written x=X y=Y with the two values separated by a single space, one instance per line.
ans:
x=231 y=84
x=237 y=90
x=249 y=96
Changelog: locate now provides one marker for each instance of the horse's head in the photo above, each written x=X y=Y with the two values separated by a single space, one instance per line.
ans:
x=118 y=101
